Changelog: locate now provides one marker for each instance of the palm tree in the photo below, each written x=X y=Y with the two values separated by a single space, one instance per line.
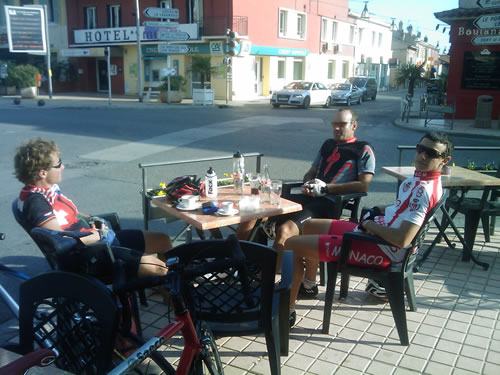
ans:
x=412 y=74
x=201 y=65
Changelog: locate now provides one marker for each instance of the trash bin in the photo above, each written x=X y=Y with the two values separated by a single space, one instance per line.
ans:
x=483 y=111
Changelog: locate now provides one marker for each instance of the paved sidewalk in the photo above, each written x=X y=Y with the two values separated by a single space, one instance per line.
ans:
x=456 y=329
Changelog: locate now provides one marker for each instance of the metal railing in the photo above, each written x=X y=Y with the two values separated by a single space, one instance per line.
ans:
x=148 y=209
x=456 y=148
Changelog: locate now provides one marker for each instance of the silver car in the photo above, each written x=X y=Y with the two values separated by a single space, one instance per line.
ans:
x=346 y=93
x=302 y=94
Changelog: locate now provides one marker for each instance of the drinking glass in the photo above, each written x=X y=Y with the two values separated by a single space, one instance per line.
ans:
x=254 y=179
x=276 y=187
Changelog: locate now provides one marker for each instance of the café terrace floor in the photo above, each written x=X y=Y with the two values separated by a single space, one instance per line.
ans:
x=456 y=329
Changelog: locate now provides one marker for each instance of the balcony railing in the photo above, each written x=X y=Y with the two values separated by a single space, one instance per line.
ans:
x=215 y=26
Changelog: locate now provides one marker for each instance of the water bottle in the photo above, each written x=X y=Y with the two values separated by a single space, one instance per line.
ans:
x=238 y=172
x=266 y=186
x=211 y=183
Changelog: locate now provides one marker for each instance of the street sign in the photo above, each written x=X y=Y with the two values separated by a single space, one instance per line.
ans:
x=173 y=48
x=488 y=21
x=172 y=35
x=25 y=29
x=75 y=52
x=165 y=72
x=162 y=13
x=160 y=24
x=486 y=40
x=486 y=4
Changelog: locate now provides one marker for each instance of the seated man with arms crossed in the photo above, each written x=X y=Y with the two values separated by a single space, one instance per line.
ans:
x=39 y=167
x=343 y=165
x=397 y=223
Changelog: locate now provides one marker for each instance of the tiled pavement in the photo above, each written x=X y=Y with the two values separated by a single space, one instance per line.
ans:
x=456 y=329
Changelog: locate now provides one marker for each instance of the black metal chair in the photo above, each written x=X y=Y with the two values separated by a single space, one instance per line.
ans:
x=397 y=279
x=219 y=298
x=74 y=315
x=348 y=202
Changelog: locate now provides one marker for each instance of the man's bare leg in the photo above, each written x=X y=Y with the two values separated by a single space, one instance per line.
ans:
x=284 y=232
x=244 y=229
x=157 y=243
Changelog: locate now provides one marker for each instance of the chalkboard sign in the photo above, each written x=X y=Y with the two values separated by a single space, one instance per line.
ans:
x=25 y=29
x=481 y=72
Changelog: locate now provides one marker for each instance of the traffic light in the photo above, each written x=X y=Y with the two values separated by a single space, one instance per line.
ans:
x=232 y=42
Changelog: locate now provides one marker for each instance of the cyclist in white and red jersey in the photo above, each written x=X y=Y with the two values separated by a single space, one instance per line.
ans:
x=397 y=223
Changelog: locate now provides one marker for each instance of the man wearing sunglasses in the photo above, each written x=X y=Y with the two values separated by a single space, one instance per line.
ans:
x=397 y=223
x=39 y=167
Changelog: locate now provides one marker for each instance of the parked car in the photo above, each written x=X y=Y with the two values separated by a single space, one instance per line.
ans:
x=346 y=93
x=302 y=94
x=366 y=84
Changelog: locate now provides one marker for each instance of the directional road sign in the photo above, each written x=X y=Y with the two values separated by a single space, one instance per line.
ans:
x=488 y=21
x=173 y=48
x=486 y=40
x=488 y=3
x=172 y=35
x=75 y=52
x=161 y=24
x=162 y=13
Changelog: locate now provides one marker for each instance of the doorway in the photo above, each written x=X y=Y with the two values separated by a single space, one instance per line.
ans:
x=102 y=75
x=258 y=76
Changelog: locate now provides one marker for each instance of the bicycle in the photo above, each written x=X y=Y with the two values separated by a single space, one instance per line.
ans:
x=200 y=355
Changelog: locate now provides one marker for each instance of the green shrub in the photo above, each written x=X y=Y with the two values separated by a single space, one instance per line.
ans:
x=25 y=76
x=177 y=83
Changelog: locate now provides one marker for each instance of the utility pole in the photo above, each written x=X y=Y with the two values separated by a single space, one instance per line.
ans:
x=139 y=57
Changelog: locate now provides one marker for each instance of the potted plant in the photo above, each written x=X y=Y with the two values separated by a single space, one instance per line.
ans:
x=177 y=85
x=201 y=67
x=25 y=80
x=489 y=168
x=7 y=81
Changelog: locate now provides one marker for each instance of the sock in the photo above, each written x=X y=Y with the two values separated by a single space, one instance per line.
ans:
x=308 y=284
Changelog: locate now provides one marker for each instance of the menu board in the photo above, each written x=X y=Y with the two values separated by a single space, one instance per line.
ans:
x=481 y=72
x=25 y=29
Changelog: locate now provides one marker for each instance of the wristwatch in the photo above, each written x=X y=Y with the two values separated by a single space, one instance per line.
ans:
x=324 y=189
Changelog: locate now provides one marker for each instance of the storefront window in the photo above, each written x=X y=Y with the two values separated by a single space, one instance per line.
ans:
x=481 y=72
x=298 y=68
x=331 y=69
x=345 y=69
x=281 y=68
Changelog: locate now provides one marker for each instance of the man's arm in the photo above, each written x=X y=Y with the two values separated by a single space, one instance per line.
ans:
x=359 y=186
x=310 y=174
x=53 y=225
x=400 y=237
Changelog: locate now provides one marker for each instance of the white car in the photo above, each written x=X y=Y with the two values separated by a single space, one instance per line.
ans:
x=302 y=94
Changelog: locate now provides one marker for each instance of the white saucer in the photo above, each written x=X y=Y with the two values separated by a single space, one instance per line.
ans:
x=231 y=213
x=182 y=208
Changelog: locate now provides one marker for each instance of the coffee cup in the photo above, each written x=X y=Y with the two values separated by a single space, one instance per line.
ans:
x=227 y=206
x=188 y=201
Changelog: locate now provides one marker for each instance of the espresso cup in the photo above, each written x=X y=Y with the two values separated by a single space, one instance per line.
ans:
x=188 y=201
x=227 y=206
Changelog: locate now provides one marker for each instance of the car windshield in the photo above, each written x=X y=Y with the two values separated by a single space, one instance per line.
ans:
x=360 y=82
x=298 y=86
x=342 y=86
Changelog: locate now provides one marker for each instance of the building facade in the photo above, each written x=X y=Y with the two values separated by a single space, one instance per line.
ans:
x=474 y=68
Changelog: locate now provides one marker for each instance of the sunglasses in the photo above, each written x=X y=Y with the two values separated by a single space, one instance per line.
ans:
x=58 y=165
x=341 y=123
x=430 y=152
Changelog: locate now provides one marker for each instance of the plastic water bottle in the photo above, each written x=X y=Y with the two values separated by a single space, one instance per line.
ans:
x=238 y=172
x=266 y=186
x=211 y=183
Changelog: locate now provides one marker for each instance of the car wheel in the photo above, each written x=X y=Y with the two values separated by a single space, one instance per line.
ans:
x=348 y=102
x=374 y=96
x=276 y=105
x=328 y=102
x=360 y=99
x=307 y=102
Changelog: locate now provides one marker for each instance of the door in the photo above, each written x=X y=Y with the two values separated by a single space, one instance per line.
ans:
x=258 y=76
x=102 y=75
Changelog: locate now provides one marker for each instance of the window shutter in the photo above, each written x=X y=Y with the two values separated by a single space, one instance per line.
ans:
x=85 y=24
x=108 y=11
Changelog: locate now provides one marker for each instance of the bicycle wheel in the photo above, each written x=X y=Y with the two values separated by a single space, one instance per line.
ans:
x=208 y=361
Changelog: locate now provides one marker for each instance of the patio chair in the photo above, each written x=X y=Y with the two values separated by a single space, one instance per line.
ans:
x=53 y=247
x=74 y=315
x=397 y=279
x=348 y=202
x=219 y=298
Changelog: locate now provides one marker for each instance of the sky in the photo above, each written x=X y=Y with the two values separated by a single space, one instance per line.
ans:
x=418 y=13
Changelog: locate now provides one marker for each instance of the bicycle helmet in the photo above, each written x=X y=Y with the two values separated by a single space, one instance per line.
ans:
x=184 y=185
